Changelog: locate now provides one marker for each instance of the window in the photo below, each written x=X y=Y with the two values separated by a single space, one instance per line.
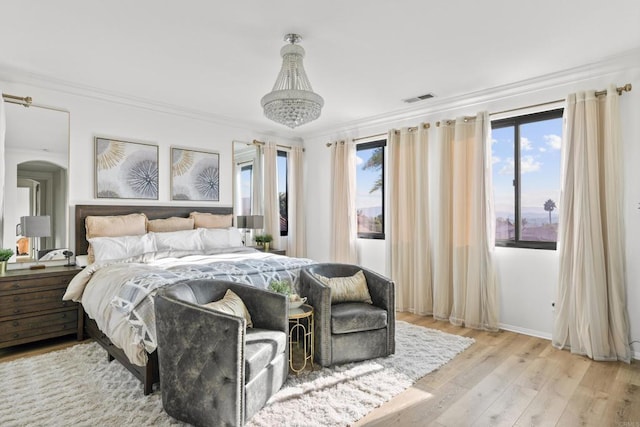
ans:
x=246 y=189
x=370 y=189
x=283 y=192
x=526 y=179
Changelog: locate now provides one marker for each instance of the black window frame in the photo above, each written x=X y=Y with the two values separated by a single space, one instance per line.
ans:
x=284 y=231
x=380 y=143
x=516 y=122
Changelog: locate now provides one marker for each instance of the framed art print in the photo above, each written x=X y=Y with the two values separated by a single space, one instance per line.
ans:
x=125 y=170
x=195 y=175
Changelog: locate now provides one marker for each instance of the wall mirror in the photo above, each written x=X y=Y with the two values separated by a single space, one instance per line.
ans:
x=247 y=178
x=36 y=167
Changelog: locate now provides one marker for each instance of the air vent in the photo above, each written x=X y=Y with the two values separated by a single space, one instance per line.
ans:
x=419 y=98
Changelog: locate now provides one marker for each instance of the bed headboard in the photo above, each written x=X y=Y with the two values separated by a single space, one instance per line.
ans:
x=152 y=212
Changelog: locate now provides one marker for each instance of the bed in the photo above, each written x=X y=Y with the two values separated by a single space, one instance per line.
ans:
x=116 y=291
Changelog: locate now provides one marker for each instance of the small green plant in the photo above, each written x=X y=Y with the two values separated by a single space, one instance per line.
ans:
x=267 y=238
x=280 y=286
x=259 y=238
x=5 y=254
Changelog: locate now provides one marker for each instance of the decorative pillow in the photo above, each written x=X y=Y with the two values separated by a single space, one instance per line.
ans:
x=215 y=238
x=113 y=248
x=231 y=304
x=207 y=220
x=185 y=240
x=347 y=289
x=170 y=224
x=114 y=226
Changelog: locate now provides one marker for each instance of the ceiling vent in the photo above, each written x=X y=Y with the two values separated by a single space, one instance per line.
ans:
x=419 y=98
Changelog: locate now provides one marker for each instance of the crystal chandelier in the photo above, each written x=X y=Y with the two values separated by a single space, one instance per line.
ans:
x=292 y=101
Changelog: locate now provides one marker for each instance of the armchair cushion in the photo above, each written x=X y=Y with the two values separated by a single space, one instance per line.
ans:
x=261 y=347
x=356 y=317
x=347 y=289
x=232 y=304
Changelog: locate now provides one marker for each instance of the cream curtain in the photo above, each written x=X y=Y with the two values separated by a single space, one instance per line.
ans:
x=271 y=199
x=591 y=312
x=465 y=282
x=296 y=246
x=343 y=216
x=3 y=127
x=409 y=219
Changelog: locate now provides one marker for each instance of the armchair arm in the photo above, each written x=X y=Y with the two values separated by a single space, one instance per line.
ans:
x=319 y=297
x=201 y=358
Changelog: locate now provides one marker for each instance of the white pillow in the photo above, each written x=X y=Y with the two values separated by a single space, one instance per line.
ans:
x=112 y=248
x=183 y=240
x=217 y=238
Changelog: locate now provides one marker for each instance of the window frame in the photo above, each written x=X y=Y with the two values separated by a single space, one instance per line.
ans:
x=285 y=154
x=378 y=143
x=516 y=122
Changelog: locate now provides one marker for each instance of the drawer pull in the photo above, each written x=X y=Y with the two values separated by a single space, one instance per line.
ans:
x=16 y=323
x=16 y=335
x=16 y=311
x=16 y=299
x=16 y=285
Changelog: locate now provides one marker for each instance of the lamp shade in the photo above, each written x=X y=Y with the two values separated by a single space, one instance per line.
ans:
x=255 y=221
x=36 y=226
x=241 y=221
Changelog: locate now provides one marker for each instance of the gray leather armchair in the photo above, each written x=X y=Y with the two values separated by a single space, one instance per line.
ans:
x=350 y=331
x=213 y=370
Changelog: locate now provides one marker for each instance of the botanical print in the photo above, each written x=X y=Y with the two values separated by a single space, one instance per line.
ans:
x=126 y=170
x=194 y=175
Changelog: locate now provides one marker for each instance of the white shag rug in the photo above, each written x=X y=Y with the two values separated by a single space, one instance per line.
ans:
x=77 y=386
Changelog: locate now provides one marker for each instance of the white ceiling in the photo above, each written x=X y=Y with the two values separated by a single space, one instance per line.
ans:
x=363 y=56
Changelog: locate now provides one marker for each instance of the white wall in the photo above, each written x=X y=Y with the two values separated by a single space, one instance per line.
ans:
x=528 y=278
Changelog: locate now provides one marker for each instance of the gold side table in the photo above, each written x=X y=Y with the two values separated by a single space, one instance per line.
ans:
x=301 y=334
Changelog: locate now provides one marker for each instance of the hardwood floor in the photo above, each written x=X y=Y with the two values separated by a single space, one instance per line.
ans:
x=509 y=379
x=504 y=379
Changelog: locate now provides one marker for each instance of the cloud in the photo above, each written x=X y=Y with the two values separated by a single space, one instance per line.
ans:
x=525 y=144
x=494 y=141
x=529 y=164
x=508 y=168
x=495 y=159
x=359 y=161
x=542 y=149
x=553 y=141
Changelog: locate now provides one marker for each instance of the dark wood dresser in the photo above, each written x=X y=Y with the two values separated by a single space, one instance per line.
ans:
x=31 y=306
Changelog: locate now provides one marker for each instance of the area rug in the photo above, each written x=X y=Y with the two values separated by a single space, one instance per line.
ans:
x=77 y=386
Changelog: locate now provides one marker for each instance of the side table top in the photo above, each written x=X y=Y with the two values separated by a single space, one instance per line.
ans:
x=305 y=310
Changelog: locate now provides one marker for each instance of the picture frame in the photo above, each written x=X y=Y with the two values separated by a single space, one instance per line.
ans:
x=195 y=175
x=125 y=169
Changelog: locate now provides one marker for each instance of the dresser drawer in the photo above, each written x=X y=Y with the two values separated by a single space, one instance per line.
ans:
x=15 y=304
x=30 y=326
x=27 y=285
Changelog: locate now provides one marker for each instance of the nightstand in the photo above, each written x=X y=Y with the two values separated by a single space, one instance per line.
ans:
x=31 y=305
x=271 y=250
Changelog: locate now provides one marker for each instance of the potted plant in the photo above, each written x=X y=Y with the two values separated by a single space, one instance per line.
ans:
x=5 y=254
x=280 y=286
x=266 y=240
x=259 y=238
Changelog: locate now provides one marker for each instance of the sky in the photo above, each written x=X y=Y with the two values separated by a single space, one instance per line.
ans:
x=365 y=180
x=540 y=144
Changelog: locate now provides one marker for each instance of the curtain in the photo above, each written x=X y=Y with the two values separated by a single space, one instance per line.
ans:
x=271 y=199
x=3 y=127
x=465 y=282
x=409 y=219
x=296 y=246
x=591 y=306
x=343 y=216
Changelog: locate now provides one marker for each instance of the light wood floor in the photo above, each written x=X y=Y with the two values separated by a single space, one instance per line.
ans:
x=504 y=379
x=509 y=379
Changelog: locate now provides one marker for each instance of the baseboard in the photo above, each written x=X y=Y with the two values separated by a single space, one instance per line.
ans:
x=531 y=332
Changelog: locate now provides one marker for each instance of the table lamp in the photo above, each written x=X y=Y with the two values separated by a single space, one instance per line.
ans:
x=36 y=226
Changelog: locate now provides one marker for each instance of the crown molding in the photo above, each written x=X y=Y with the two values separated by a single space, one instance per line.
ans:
x=610 y=65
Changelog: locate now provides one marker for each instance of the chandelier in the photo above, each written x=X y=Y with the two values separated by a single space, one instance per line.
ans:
x=292 y=101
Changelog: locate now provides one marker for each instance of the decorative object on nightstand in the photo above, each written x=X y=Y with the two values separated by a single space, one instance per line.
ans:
x=249 y=222
x=31 y=306
x=5 y=254
x=264 y=240
x=36 y=226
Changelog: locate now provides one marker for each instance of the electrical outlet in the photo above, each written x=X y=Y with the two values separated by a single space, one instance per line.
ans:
x=553 y=306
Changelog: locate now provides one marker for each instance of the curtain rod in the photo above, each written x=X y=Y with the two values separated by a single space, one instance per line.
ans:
x=26 y=100
x=620 y=90
x=411 y=129
x=256 y=142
